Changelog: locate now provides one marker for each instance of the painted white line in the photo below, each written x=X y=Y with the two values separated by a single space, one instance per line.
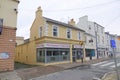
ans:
x=107 y=64
x=113 y=66
x=100 y=63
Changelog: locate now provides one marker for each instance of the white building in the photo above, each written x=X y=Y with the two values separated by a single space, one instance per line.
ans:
x=100 y=40
x=90 y=46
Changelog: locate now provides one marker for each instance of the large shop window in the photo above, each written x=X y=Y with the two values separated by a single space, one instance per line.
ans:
x=52 y=55
x=90 y=52
x=40 y=55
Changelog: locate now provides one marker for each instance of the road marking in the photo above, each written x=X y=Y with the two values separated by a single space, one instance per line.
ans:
x=113 y=66
x=100 y=63
x=107 y=64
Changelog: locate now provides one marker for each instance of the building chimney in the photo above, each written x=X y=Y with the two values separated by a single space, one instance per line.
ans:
x=39 y=12
x=72 y=22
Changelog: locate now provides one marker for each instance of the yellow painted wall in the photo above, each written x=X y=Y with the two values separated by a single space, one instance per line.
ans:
x=7 y=13
x=62 y=32
x=38 y=22
x=26 y=53
x=29 y=50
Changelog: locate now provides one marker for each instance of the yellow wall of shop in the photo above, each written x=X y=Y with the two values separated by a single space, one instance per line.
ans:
x=26 y=53
x=29 y=50
x=8 y=14
x=39 y=21
x=62 y=32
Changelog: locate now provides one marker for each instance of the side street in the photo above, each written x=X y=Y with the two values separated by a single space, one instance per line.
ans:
x=55 y=49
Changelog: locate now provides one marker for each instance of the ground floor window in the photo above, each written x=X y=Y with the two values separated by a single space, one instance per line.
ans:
x=40 y=55
x=90 y=52
x=52 y=55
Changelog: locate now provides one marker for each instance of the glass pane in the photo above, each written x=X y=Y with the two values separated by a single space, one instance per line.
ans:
x=49 y=53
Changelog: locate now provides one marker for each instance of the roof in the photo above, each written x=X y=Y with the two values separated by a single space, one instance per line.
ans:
x=98 y=24
x=62 y=23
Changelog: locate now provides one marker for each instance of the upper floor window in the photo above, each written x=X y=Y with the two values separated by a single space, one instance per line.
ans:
x=103 y=40
x=89 y=27
x=55 y=30
x=40 y=31
x=79 y=36
x=69 y=33
x=1 y=25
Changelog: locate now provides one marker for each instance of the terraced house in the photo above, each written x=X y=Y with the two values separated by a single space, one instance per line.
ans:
x=51 y=42
x=8 y=20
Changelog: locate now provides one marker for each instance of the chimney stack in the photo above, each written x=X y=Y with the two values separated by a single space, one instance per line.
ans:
x=72 y=22
x=39 y=12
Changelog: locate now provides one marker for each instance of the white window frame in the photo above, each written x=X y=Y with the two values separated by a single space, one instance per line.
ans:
x=79 y=35
x=57 y=30
x=70 y=33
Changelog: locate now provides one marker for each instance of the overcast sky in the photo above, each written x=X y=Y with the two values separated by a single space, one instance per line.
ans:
x=104 y=12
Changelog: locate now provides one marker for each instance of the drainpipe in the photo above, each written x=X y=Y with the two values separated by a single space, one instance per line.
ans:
x=96 y=41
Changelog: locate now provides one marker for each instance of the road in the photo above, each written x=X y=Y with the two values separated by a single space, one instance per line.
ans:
x=83 y=72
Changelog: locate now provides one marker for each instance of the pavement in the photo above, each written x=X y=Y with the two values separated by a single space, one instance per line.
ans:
x=9 y=76
x=29 y=73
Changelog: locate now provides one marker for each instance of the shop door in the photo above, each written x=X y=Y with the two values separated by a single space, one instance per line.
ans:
x=74 y=56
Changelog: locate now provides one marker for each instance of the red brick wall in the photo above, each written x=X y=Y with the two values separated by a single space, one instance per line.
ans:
x=7 y=44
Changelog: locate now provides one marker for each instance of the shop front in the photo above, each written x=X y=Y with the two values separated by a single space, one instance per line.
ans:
x=48 y=53
x=77 y=53
x=101 y=52
x=90 y=53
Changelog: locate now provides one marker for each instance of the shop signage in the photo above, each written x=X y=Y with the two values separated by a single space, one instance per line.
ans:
x=4 y=55
x=51 y=45
x=78 y=46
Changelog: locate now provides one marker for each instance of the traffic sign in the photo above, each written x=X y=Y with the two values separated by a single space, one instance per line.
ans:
x=113 y=43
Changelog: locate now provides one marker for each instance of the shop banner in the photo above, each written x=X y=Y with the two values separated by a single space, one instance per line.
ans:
x=51 y=45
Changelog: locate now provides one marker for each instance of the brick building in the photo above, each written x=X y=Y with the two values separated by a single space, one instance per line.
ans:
x=8 y=20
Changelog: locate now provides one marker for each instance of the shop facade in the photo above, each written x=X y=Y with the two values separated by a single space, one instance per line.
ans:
x=52 y=53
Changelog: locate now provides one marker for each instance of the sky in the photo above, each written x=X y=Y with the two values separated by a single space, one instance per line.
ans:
x=104 y=12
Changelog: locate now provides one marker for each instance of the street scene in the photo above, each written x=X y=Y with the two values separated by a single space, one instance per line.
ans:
x=57 y=40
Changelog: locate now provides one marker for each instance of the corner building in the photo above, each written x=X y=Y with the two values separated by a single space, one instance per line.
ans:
x=51 y=42
x=8 y=21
